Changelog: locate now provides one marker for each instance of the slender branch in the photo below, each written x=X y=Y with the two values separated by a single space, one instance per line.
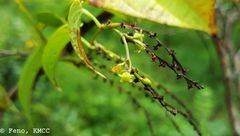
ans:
x=8 y=53
x=227 y=83
x=101 y=17
x=226 y=50
x=100 y=26
x=95 y=35
x=174 y=97
x=128 y=59
x=108 y=25
x=90 y=15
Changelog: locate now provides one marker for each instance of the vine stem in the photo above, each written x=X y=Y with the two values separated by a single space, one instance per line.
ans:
x=8 y=53
x=100 y=26
x=128 y=59
x=109 y=25
x=95 y=35
x=90 y=15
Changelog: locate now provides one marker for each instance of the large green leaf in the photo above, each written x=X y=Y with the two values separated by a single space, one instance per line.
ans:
x=32 y=65
x=52 y=51
x=26 y=81
x=194 y=14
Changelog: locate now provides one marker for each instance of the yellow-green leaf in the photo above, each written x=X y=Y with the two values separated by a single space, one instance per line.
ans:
x=194 y=14
x=26 y=81
x=52 y=51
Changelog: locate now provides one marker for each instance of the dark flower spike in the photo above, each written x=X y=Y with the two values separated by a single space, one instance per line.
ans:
x=175 y=65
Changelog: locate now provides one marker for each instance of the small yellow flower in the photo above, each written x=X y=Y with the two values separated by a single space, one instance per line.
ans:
x=126 y=77
x=119 y=68
x=138 y=35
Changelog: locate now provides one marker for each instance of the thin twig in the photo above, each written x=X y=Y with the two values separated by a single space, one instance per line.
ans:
x=9 y=53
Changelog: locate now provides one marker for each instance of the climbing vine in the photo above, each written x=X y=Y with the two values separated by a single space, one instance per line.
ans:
x=130 y=35
x=70 y=37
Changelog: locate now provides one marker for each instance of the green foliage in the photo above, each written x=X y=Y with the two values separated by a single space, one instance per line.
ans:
x=200 y=13
x=89 y=106
x=52 y=51
x=75 y=22
x=27 y=78
x=204 y=101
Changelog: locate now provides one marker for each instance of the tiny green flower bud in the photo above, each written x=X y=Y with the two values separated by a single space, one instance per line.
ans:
x=146 y=81
x=138 y=35
x=140 y=47
x=119 y=68
x=126 y=77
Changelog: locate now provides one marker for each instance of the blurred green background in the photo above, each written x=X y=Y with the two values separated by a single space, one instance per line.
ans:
x=90 y=107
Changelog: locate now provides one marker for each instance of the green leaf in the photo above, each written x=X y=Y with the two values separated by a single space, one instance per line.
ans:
x=194 y=14
x=26 y=81
x=74 y=23
x=50 y=19
x=52 y=51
